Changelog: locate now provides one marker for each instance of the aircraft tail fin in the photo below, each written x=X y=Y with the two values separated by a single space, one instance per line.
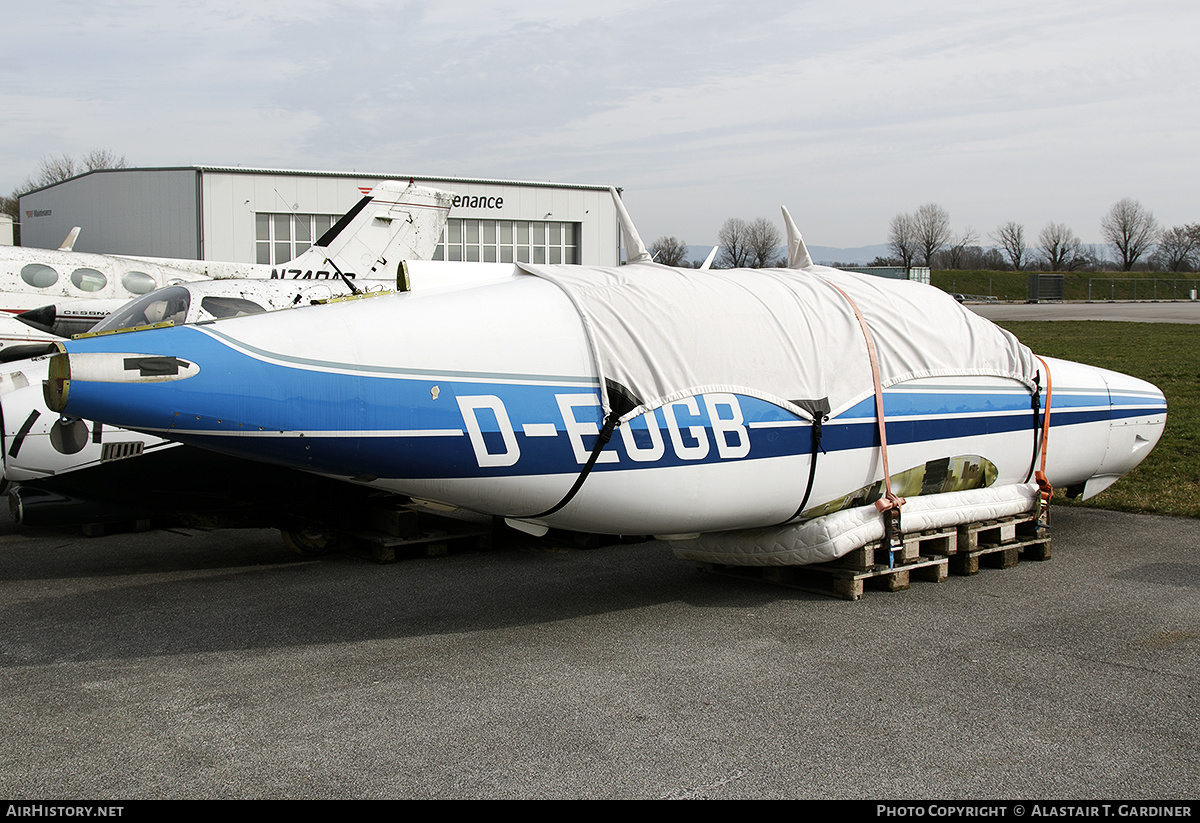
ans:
x=393 y=223
x=798 y=256
x=635 y=249
x=69 y=243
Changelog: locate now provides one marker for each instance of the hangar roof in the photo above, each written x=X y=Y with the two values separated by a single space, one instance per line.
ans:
x=314 y=173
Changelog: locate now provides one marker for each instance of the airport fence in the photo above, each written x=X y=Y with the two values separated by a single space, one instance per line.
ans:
x=1013 y=286
x=1142 y=288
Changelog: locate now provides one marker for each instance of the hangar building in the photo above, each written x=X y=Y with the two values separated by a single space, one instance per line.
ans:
x=270 y=216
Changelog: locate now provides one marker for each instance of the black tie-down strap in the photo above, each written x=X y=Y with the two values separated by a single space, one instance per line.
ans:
x=819 y=409
x=1037 y=424
x=621 y=401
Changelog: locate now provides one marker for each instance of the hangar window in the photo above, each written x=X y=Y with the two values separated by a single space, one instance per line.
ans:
x=509 y=241
x=88 y=280
x=138 y=282
x=282 y=237
x=39 y=276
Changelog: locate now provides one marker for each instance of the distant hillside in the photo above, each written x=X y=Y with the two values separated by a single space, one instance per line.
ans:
x=858 y=256
x=824 y=255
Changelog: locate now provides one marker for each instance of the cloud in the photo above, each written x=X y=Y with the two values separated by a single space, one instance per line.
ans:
x=995 y=110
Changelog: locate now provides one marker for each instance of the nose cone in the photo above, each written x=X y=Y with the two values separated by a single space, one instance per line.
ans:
x=1139 y=415
x=41 y=319
x=130 y=380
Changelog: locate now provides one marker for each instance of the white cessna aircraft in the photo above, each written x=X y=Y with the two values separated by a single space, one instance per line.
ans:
x=72 y=290
x=764 y=417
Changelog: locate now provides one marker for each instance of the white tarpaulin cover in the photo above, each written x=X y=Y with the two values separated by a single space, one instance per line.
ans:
x=785 y=335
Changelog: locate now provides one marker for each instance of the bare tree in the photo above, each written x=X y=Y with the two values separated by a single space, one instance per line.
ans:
x=1059 y=247
x=102 y=159
x=1091 y=257
x=734 y=239
x=1178 y=247
x=931 y=226
x=56 y=169
x=670 y=251
x=1011 y=237
x=1130 y=229
x=750 y=245
x=902 y=239
x=956 y=252
x=53 y=170
x=8 y=205
x=763 y=240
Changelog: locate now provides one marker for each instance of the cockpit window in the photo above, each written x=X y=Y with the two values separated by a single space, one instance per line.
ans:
x=230 y=306
x=88 y=280
x=39 y=276
x=169 y=304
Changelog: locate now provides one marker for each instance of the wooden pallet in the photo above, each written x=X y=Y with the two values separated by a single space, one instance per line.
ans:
x=918 y=545
x=927 y=555
x=391 y=534
x=838 y=580
x=1000 y=543
x=105 y=528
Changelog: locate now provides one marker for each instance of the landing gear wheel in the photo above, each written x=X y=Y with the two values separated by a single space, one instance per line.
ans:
x=309 y=542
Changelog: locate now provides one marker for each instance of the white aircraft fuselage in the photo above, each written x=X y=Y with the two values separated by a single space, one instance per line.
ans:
x=490 y=396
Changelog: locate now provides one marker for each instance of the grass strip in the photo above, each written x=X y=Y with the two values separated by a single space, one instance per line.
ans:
x=1165 y=354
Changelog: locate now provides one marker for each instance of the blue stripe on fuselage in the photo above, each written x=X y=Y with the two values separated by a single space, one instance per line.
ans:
x=329 y=418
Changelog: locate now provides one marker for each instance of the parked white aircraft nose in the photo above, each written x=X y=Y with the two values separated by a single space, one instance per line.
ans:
x=1130 y=439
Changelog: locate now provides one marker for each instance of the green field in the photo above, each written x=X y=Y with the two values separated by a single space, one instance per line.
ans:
x=1167 y=355
x=1011 y=285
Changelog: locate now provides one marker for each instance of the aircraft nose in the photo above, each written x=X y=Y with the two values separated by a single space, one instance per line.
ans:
x=1138 y=417
x=109 y=368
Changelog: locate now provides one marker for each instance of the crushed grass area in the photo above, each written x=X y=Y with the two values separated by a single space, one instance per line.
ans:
x=1165 y=354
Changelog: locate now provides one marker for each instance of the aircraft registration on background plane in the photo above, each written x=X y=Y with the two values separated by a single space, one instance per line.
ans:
x=770 y=416
x=73 y=290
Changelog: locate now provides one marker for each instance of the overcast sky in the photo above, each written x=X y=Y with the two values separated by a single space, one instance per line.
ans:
x=847 y=112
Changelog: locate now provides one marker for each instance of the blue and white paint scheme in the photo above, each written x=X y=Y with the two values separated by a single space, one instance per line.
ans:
x=39 y=445
x=490 y=395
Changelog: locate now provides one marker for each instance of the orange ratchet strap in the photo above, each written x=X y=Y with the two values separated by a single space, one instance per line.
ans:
x=889 y=505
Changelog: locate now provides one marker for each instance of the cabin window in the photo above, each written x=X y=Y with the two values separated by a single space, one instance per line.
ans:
x=39 y=276
x=230 y=306
x=88 y=280
x=138 y=282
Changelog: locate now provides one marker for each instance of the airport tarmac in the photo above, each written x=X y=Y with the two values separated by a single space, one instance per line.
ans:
x=1144 y=312
x=194 y=664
